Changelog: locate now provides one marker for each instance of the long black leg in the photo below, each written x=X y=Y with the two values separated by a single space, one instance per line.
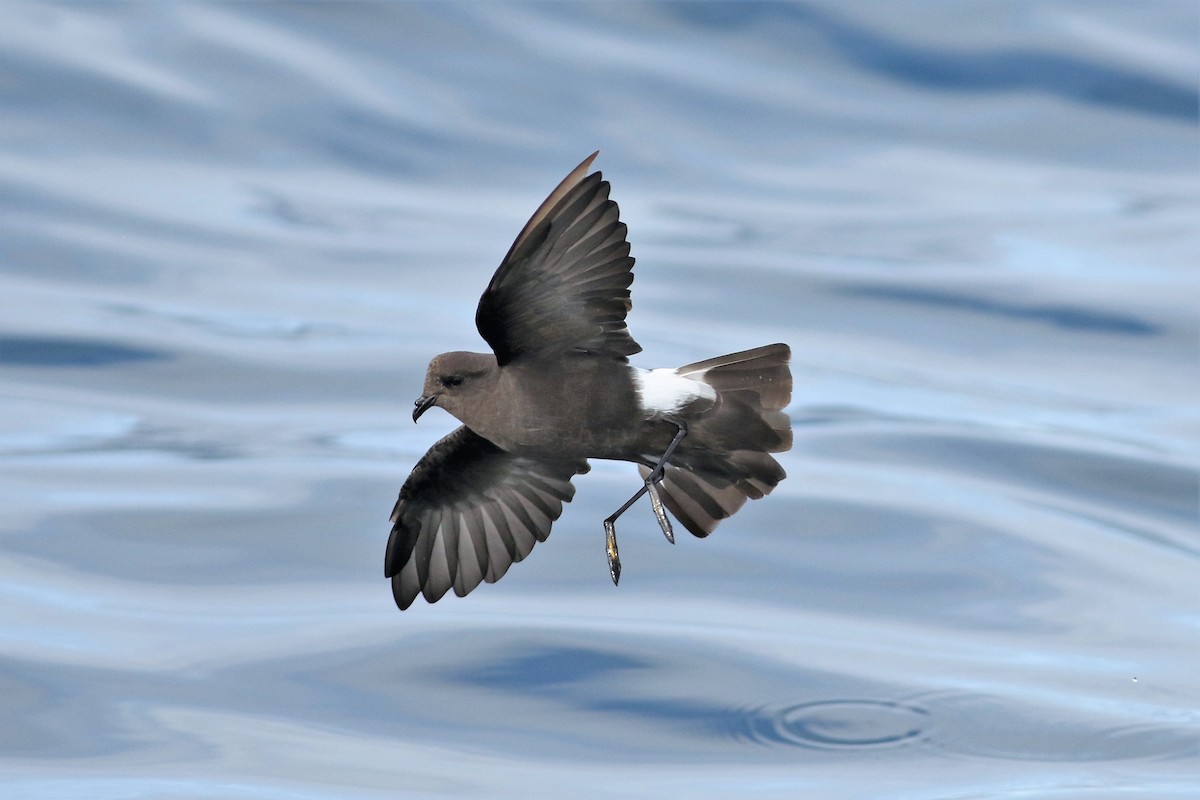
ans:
x=650 y=486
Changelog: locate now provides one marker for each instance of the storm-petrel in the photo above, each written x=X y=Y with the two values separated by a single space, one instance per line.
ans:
x=558 y=389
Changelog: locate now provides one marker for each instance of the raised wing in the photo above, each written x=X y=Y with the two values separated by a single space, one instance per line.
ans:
x=564 y=285
x=467 y=512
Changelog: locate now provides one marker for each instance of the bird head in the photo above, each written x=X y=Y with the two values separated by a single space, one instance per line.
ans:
x=456 y=382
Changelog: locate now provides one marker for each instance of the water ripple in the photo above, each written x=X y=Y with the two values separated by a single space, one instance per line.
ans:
x=963 y=725
x=851 y=724
x=976 y=725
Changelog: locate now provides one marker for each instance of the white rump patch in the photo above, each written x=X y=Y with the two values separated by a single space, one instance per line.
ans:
x=664 y=391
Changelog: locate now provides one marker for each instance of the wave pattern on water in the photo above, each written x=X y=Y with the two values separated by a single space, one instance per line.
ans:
x=231 y=236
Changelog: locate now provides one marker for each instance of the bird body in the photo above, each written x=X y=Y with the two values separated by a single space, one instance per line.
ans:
x=557 y=390
x=516 y=409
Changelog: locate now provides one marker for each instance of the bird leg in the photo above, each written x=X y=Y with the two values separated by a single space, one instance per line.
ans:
x=649 y=486
x=610 y=547
x=660 y=513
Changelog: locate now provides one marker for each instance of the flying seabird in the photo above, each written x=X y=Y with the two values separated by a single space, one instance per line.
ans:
x=558 y=389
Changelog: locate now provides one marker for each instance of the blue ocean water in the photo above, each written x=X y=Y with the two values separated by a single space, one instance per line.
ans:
x=232 y=235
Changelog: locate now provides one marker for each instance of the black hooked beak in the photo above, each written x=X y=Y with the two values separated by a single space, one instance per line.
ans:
x=423 y=404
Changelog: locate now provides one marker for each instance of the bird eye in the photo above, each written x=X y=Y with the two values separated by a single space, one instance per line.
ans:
x=450 y=381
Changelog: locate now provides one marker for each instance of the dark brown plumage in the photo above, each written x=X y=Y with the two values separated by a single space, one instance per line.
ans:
x=556 y=390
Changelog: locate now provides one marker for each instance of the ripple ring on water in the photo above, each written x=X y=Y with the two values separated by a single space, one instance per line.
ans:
x=837 y=724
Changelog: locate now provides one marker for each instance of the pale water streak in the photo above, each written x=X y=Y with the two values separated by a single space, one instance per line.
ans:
x=233 y=234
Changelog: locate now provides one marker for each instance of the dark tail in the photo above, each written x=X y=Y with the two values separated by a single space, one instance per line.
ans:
x=724 y=459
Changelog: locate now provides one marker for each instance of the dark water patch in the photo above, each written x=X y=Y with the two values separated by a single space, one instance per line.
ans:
x=1160 y=488
x=997 y=69
x=672 y=695
x=1184 y=539
x=698 y=717
x=55 y=711
x=822 y=415
x=1068 y=317
x=548 y=668
x=1100 y=479
x=376 y=144
x=139 y=439
x=234 y=325
x=886 y=561
x=1016 y=70
x=51 y=234
x=45 y=257
x=187 y=444
x=66 y=351
x=216 y=547
x=22 y=703
x=278 y=207
x=115 y=112
x=649 y=700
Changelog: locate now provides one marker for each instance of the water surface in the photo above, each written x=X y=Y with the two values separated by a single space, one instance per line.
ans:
x=233 y=234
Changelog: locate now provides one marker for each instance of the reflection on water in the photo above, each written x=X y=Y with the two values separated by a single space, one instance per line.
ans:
x=232 y=236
